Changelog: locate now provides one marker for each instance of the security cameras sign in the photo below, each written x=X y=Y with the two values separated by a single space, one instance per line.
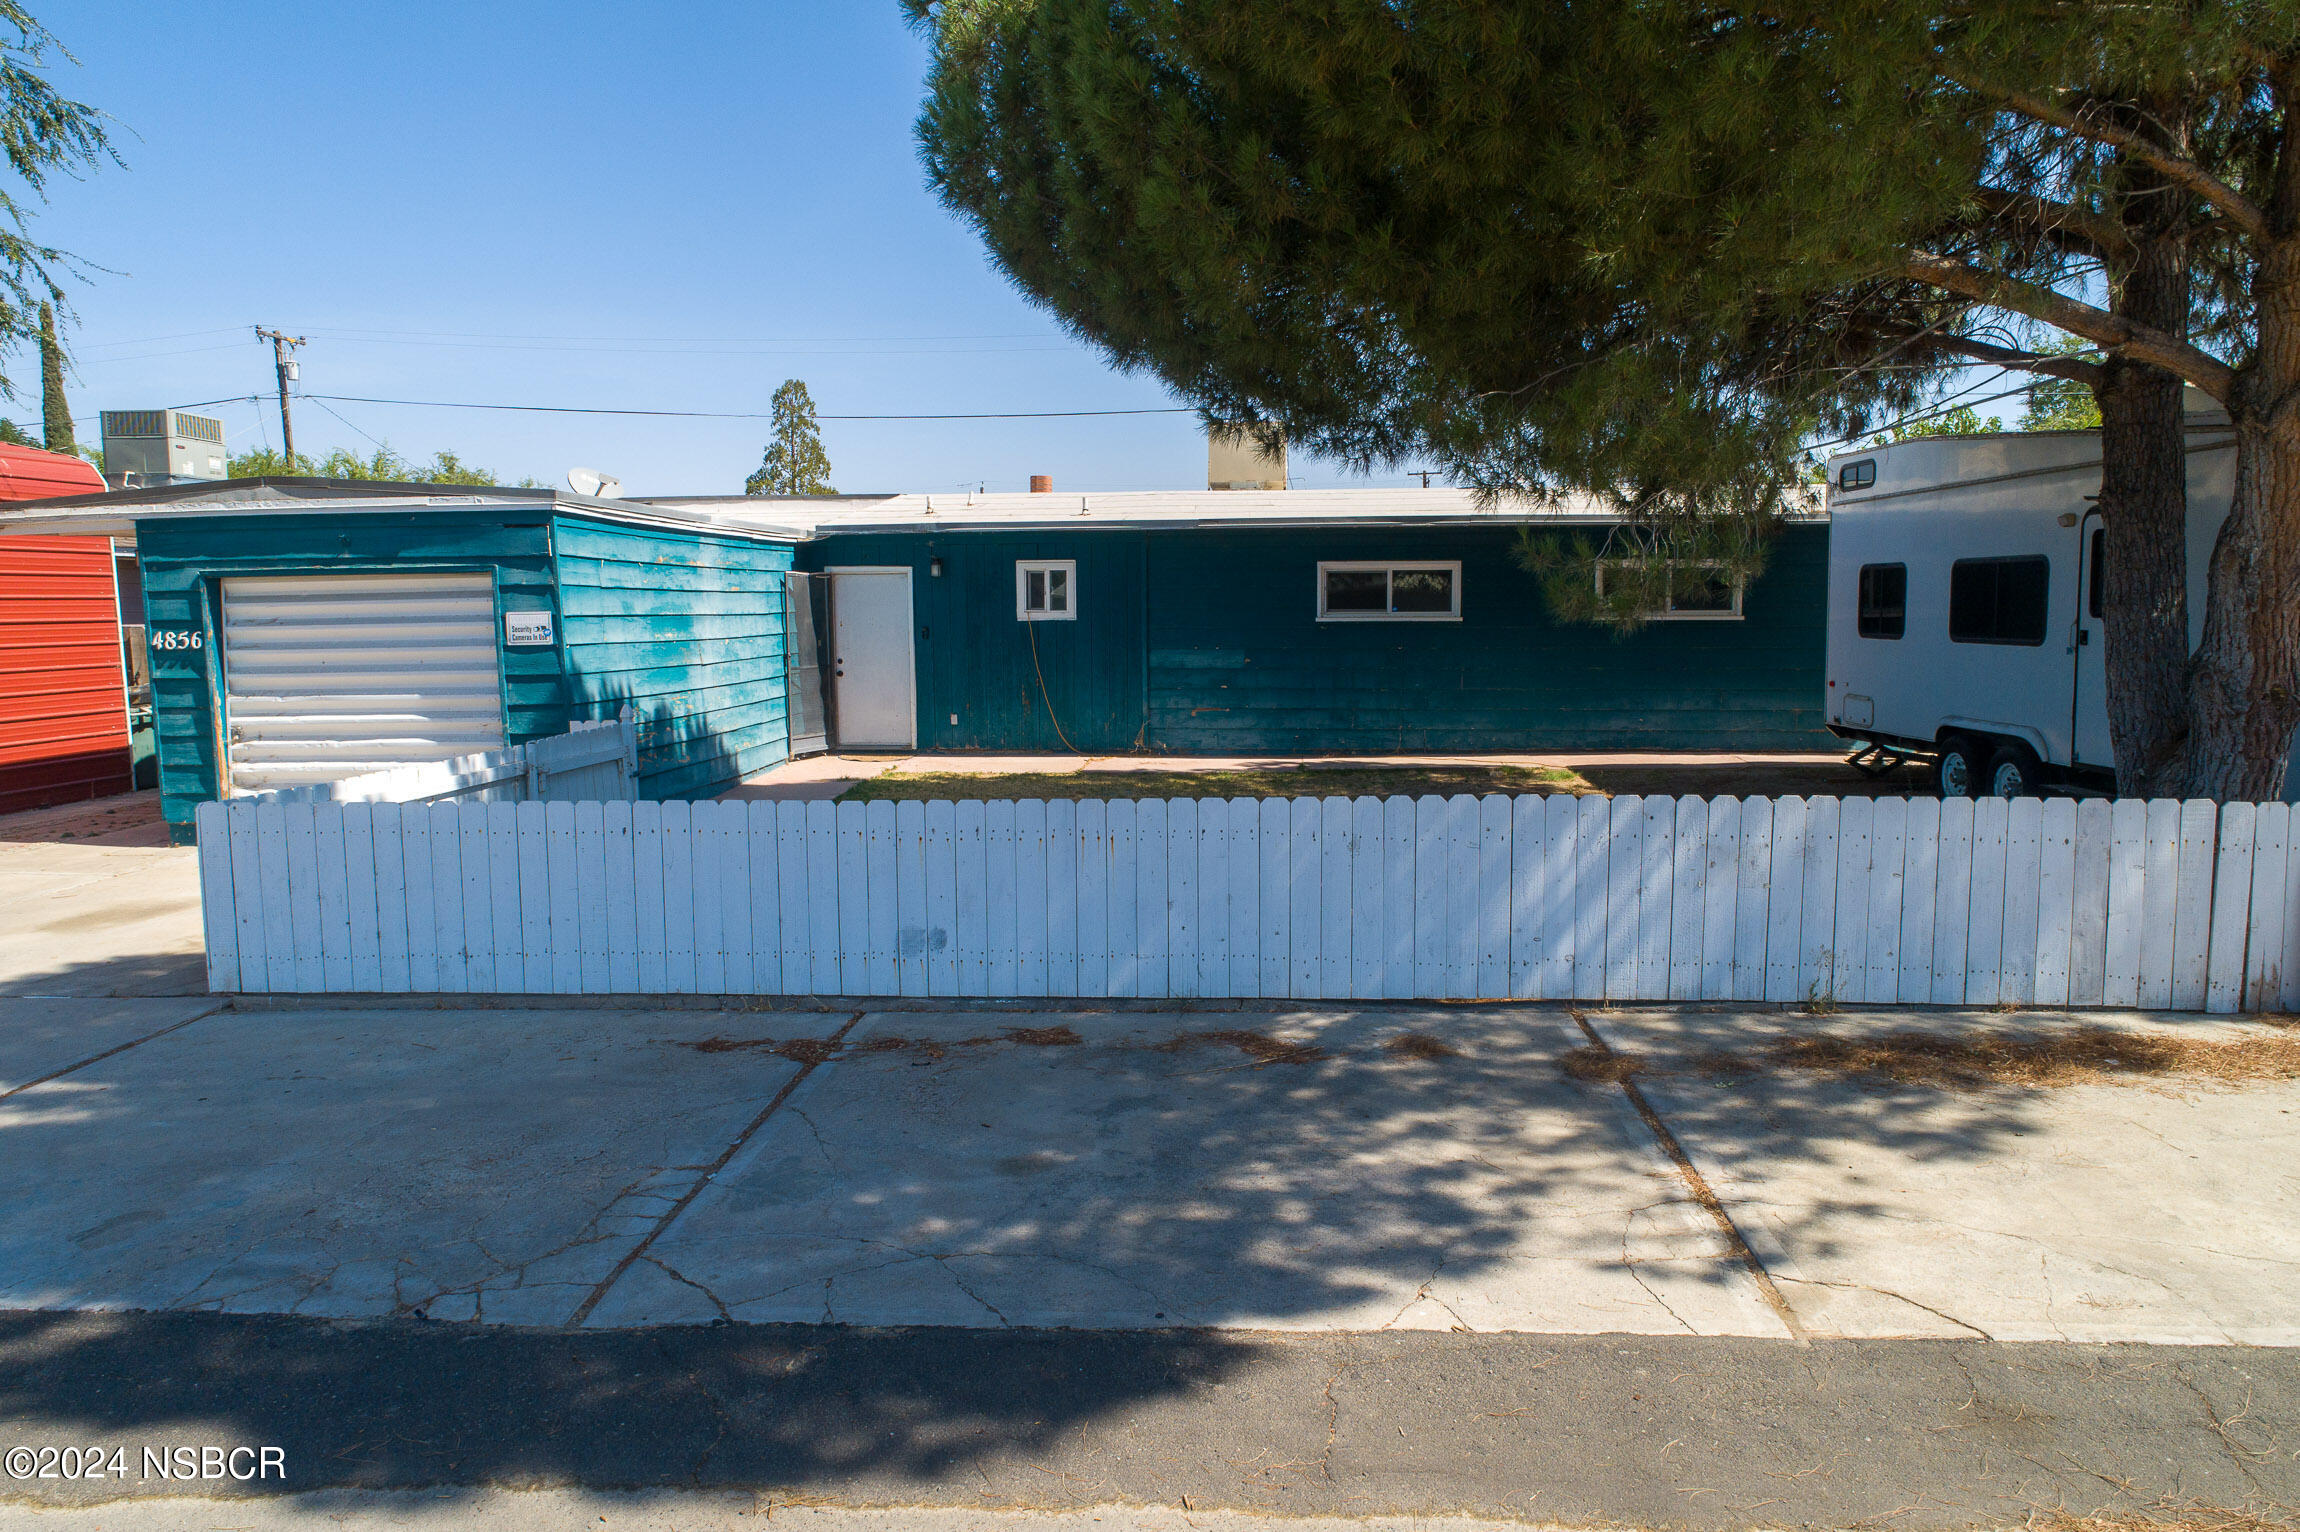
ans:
x=527 y=630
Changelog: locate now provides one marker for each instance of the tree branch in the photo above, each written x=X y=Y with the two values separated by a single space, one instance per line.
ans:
x=2111 y=332
x=2089 y=233
x=2239 y=209
x=2072 y=368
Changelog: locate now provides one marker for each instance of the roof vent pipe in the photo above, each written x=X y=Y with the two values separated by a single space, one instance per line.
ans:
x=1042 y=484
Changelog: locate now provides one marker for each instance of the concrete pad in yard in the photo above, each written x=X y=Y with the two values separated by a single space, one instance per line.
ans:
x=100 y=920
x=2164 y=1210
x=940 y=1173
x=39 y=1037
x=490 y=1164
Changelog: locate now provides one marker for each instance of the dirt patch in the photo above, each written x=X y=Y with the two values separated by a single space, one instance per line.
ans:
x=1043 y=1037
x=1258 y=1046
x=1308 y=780
x=2195 y=1518
x=1600 y=1066
x=1420 y=1045
x=2077 y=1056
x=799 y=1050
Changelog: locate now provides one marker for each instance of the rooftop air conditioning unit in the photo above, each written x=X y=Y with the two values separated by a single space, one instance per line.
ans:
x=149 y=447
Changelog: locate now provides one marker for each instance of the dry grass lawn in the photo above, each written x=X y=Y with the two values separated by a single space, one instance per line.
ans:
x=1268 y=782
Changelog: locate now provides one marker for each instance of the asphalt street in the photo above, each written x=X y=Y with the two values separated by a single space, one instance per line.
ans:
x=1691 y=1432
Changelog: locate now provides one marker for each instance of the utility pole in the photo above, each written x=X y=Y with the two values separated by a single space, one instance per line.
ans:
x=1423 y=474
x=283 y=363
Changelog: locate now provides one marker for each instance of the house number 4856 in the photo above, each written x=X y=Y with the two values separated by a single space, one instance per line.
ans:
x=178 y=638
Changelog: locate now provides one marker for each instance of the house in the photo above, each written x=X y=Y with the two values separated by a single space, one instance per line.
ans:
x=64 y=705
x=305 y=630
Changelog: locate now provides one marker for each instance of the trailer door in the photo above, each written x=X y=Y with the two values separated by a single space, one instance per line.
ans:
x=2088 y=725
x=329 y=676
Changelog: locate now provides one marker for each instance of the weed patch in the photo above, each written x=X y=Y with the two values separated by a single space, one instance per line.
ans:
x=1600 y=1066
x=799 y=1050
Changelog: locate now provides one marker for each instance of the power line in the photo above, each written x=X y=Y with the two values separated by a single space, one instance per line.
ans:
x=572 y=409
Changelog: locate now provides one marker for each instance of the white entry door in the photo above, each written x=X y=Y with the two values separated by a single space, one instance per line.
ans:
x=873 y=689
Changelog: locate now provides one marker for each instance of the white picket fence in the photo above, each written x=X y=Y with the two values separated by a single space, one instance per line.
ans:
x=2163 y=904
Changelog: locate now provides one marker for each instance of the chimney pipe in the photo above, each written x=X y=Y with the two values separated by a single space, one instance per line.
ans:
x=1042 y=484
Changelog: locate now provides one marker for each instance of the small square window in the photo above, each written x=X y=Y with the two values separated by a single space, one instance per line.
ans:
x=1372 y=591
x=1045 y=590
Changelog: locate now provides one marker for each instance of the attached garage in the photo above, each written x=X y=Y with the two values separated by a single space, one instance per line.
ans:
x=328 y=676
x=305 y=630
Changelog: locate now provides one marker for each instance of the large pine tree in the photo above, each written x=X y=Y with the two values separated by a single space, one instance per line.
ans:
x=1655 y=246
x=794 y=462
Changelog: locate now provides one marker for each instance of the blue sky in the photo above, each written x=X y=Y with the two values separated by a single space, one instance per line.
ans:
x=550 y=204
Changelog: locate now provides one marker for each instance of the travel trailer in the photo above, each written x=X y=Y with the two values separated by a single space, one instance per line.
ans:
x=1965 y=602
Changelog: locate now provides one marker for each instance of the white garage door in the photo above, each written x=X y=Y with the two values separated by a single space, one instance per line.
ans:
x=328 y=676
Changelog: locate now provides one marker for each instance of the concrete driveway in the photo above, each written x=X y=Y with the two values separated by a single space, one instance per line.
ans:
x=1337 y=1170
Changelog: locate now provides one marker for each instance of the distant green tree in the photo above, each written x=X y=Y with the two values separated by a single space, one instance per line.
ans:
x=382 y=466
x=55 y=413
x=2061 y=404
x=16 y=436
x=1964 y=420
x=795 y=463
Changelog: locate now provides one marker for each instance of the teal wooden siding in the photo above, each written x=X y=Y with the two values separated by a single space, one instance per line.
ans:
x=1239 y=662
x=1015 y=685
x=688 y=630
x=184 y=560
x=1206 y=641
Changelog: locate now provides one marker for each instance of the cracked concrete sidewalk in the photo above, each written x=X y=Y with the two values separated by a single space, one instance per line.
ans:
x=593 y=1166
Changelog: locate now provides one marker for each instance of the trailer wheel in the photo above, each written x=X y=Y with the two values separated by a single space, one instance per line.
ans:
x=2013 y=772
x=1957 y=770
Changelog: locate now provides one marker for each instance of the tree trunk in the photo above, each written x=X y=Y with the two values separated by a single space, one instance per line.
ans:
x=2144 y=515
x=2244 y=686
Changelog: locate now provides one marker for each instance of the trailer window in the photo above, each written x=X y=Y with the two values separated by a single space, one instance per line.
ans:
x=1858 y=475
x=2095 y=579
x=1998 y=601
x=1884 y=600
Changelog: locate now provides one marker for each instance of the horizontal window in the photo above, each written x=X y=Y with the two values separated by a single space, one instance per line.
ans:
x=1694 y=591
x=1858 y=475
x=1046 y=590
x=1999 y=601
x=1386 y=592
x=1884 y=610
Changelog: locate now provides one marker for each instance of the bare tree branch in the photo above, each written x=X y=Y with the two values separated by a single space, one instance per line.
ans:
x=2088 y=233
x=2239 y=209
x=2111 y=332
x=2075 y=369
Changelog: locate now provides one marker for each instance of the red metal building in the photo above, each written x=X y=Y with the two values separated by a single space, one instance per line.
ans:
x=63 y=692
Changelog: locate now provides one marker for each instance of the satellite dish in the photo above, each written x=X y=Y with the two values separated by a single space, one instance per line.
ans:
x=590 y=481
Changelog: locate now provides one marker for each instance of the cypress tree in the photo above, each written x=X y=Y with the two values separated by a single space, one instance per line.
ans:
x=55 y=414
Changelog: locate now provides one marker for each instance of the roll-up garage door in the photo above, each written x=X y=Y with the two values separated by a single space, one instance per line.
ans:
x=328 y=676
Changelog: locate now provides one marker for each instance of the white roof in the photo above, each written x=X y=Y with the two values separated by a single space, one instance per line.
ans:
x=824 y=516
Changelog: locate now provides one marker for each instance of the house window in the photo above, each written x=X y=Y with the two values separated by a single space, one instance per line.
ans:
x=1884 y=611
x=1377 y=591
x=1998 y=601
x=1697 y=591
x=1860 y=475
x=1046 y=590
